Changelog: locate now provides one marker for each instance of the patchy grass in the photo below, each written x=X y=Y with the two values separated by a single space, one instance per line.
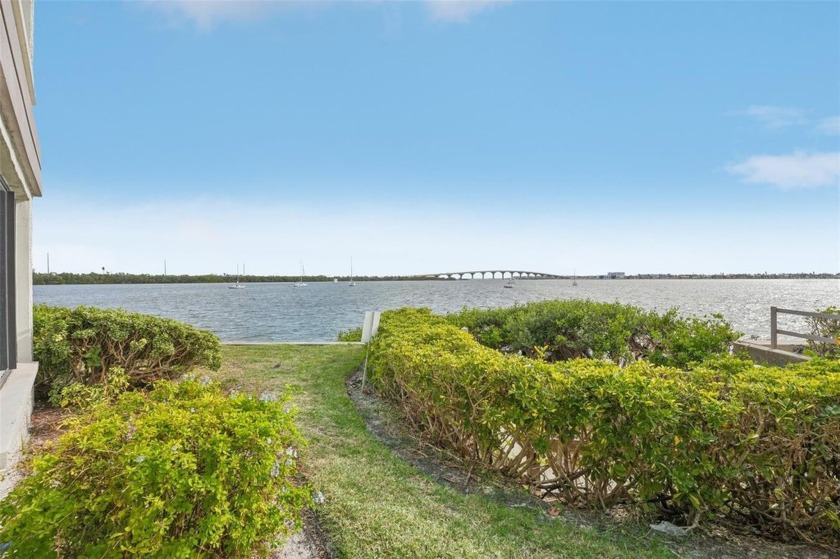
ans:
x=379 y=506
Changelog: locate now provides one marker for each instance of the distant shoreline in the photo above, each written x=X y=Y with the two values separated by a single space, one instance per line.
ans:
x=65 y=278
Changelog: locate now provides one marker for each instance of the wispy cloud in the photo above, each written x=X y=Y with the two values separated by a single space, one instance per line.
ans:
x=459 y=11
x=776 y=117
x=208 y=14
x=830 y=126
x=791 y=171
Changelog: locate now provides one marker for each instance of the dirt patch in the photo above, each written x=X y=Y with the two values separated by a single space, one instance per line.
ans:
x=309 y=543
x=707 y=542
x=46 y=425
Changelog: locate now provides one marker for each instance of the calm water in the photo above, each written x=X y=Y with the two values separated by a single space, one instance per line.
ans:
x=279 y=312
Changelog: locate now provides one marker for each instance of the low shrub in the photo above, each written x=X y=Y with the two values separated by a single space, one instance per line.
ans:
x=81 y=345
x=827 y=328
x=571 y=329
x=758 y=445
x=183 y=471
x=80 y=396
x=351 y=335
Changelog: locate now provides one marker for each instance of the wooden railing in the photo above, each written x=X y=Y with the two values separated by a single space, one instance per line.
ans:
x=774 y=329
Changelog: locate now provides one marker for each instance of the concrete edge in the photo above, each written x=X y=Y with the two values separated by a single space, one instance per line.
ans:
x=16 y=399
x=763 y=354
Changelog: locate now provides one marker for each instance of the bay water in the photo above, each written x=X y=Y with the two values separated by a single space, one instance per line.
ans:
x=265 y=312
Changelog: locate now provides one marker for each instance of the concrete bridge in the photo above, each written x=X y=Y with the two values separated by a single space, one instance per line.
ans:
x=492 y=274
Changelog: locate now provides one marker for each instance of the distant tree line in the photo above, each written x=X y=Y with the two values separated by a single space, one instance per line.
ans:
x=67 y=278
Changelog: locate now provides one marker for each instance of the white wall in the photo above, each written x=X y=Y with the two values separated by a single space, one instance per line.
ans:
x=23 y=279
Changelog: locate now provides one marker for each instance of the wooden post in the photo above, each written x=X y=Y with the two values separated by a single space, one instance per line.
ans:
x=369 y=328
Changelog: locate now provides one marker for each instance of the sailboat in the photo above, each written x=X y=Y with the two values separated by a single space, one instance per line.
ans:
x=509 y=284
x=302 y=273
x=238 y=285
x=352 y=283
x=574 y=278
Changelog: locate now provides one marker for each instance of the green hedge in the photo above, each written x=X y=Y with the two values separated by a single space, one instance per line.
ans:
x=569 y=329
x=183 y=471
x=81 y=345
x=757 y=445
x=827 y=328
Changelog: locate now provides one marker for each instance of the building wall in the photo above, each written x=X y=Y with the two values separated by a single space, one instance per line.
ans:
x=23 y=280
x=20 y=154
x=20 y=167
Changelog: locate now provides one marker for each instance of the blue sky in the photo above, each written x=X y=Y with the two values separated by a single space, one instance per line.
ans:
x=437 y=136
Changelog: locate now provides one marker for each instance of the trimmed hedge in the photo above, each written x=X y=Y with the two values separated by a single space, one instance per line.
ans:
x=82 y=345
x=183 y=471
x=570 y=329
x=758 y=445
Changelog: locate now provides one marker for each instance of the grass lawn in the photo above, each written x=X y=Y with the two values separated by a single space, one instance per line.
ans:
x=379 y=506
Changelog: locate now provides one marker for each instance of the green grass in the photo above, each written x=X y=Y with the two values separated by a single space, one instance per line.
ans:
x=379 y=506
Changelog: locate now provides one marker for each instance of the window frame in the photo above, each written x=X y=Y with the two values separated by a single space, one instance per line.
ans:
x=8 y=326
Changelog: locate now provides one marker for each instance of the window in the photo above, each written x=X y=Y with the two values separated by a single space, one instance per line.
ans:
x=8 y=330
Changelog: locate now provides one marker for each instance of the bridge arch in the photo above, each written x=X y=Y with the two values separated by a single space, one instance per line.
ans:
x=491 y=274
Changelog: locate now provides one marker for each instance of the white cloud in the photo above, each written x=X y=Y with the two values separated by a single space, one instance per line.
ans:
x=830 y=125
x=459 y=11
x=791 y=171
x=776 y=117
x=207 y=14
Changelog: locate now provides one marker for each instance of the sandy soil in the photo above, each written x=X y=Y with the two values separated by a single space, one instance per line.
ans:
x=309 y=543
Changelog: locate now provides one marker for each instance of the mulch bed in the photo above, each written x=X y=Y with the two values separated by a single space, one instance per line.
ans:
x=46 y=425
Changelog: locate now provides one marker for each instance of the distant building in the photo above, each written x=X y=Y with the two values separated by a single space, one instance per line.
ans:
x=615 y=275
x=20 y=181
